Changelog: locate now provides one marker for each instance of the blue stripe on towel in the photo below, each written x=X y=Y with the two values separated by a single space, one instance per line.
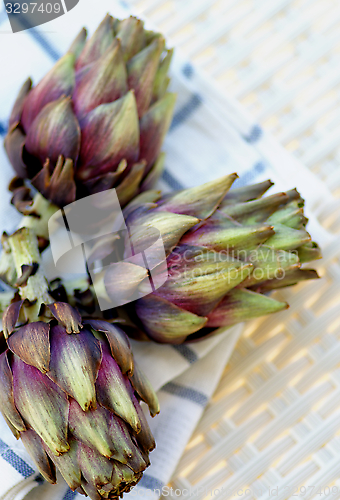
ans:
x=15 y=461
x=186 y=111
x=254 y=135
x=250 y=176
x=3 y=129
x=188 y=70
x=186 y=352
x=171 y=180
x=151 y=483
x=45 y=44
x=39 y=37
x=69 y=495
x=186 y=393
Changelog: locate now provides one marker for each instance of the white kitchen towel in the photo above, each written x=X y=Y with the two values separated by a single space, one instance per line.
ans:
x=210 y=136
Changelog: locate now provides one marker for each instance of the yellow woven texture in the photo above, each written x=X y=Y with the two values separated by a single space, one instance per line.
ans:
x=274 y=420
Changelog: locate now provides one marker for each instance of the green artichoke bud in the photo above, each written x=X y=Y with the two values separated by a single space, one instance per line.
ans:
x=224 y=248
x=71 y=391
x=97 y=120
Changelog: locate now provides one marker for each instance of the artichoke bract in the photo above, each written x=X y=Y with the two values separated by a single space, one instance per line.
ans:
x=97 y=120
x=225 y=250
x=70 y=389
x=71 y=392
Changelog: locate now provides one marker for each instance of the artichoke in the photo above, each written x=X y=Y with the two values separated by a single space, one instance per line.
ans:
x=225 y=250
x=97 y=120
x=70 y=389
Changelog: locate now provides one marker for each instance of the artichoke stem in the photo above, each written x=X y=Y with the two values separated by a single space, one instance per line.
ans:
x=38 y=224
x=7 y=268
x=44 y=209
x=24 y=248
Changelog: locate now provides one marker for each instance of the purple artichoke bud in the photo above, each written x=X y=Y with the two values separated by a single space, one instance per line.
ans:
x=71 y=391
x=103 y=105
x=225 y=249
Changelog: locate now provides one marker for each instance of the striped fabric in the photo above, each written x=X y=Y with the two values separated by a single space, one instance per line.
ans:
x=210 y=136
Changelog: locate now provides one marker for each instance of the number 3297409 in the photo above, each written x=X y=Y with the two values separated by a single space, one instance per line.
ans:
x=30 y=8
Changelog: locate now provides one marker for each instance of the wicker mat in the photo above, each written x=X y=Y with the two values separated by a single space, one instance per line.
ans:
x=272 y=427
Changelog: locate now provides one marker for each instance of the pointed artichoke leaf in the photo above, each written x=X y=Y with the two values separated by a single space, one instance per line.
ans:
x=14 y=145
x=106 y=81
x=34 y=446
x=110 y=133
x=224 y=236
x=145 y=390
x=58 y=187
x=289 y=216
x=199 y=261
x=67 y=315
x=286 y=238
x=42 y=404
x=103 y=248
x=199 y=291
x=32 y=344
x=123 y=280
x=153 y=128
x=142 y=69
x=161 y=80
x=136 y=461
x=78 y=44
x=58 y=82
x=246 y=193
x=106 y=181
x=165 y=322
x=93 y=429
x=90 y=490
x=7 y=405
x=74 y=365
x=145 y=437
x=253 y=212
x=98 y=44
x=154 y=174
x=19 y=104
x=149 y=196
x=295 y=196
x=290 y=278
x=309 y=251
x=11 y=427
x=10 y=317
x=171 y=227
x=118 y=341
x=112 y=392
x=123 y=473
x=67 y=464
x=242 y=305
x=127 y=450
x=54 y=132
x=200 y=201
x=96 y=469
x=130 y=32
x=269 y=263
x=129 y=186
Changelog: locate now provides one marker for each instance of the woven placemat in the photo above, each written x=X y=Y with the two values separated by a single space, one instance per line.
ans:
x=279 y=58
x=272 y=427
